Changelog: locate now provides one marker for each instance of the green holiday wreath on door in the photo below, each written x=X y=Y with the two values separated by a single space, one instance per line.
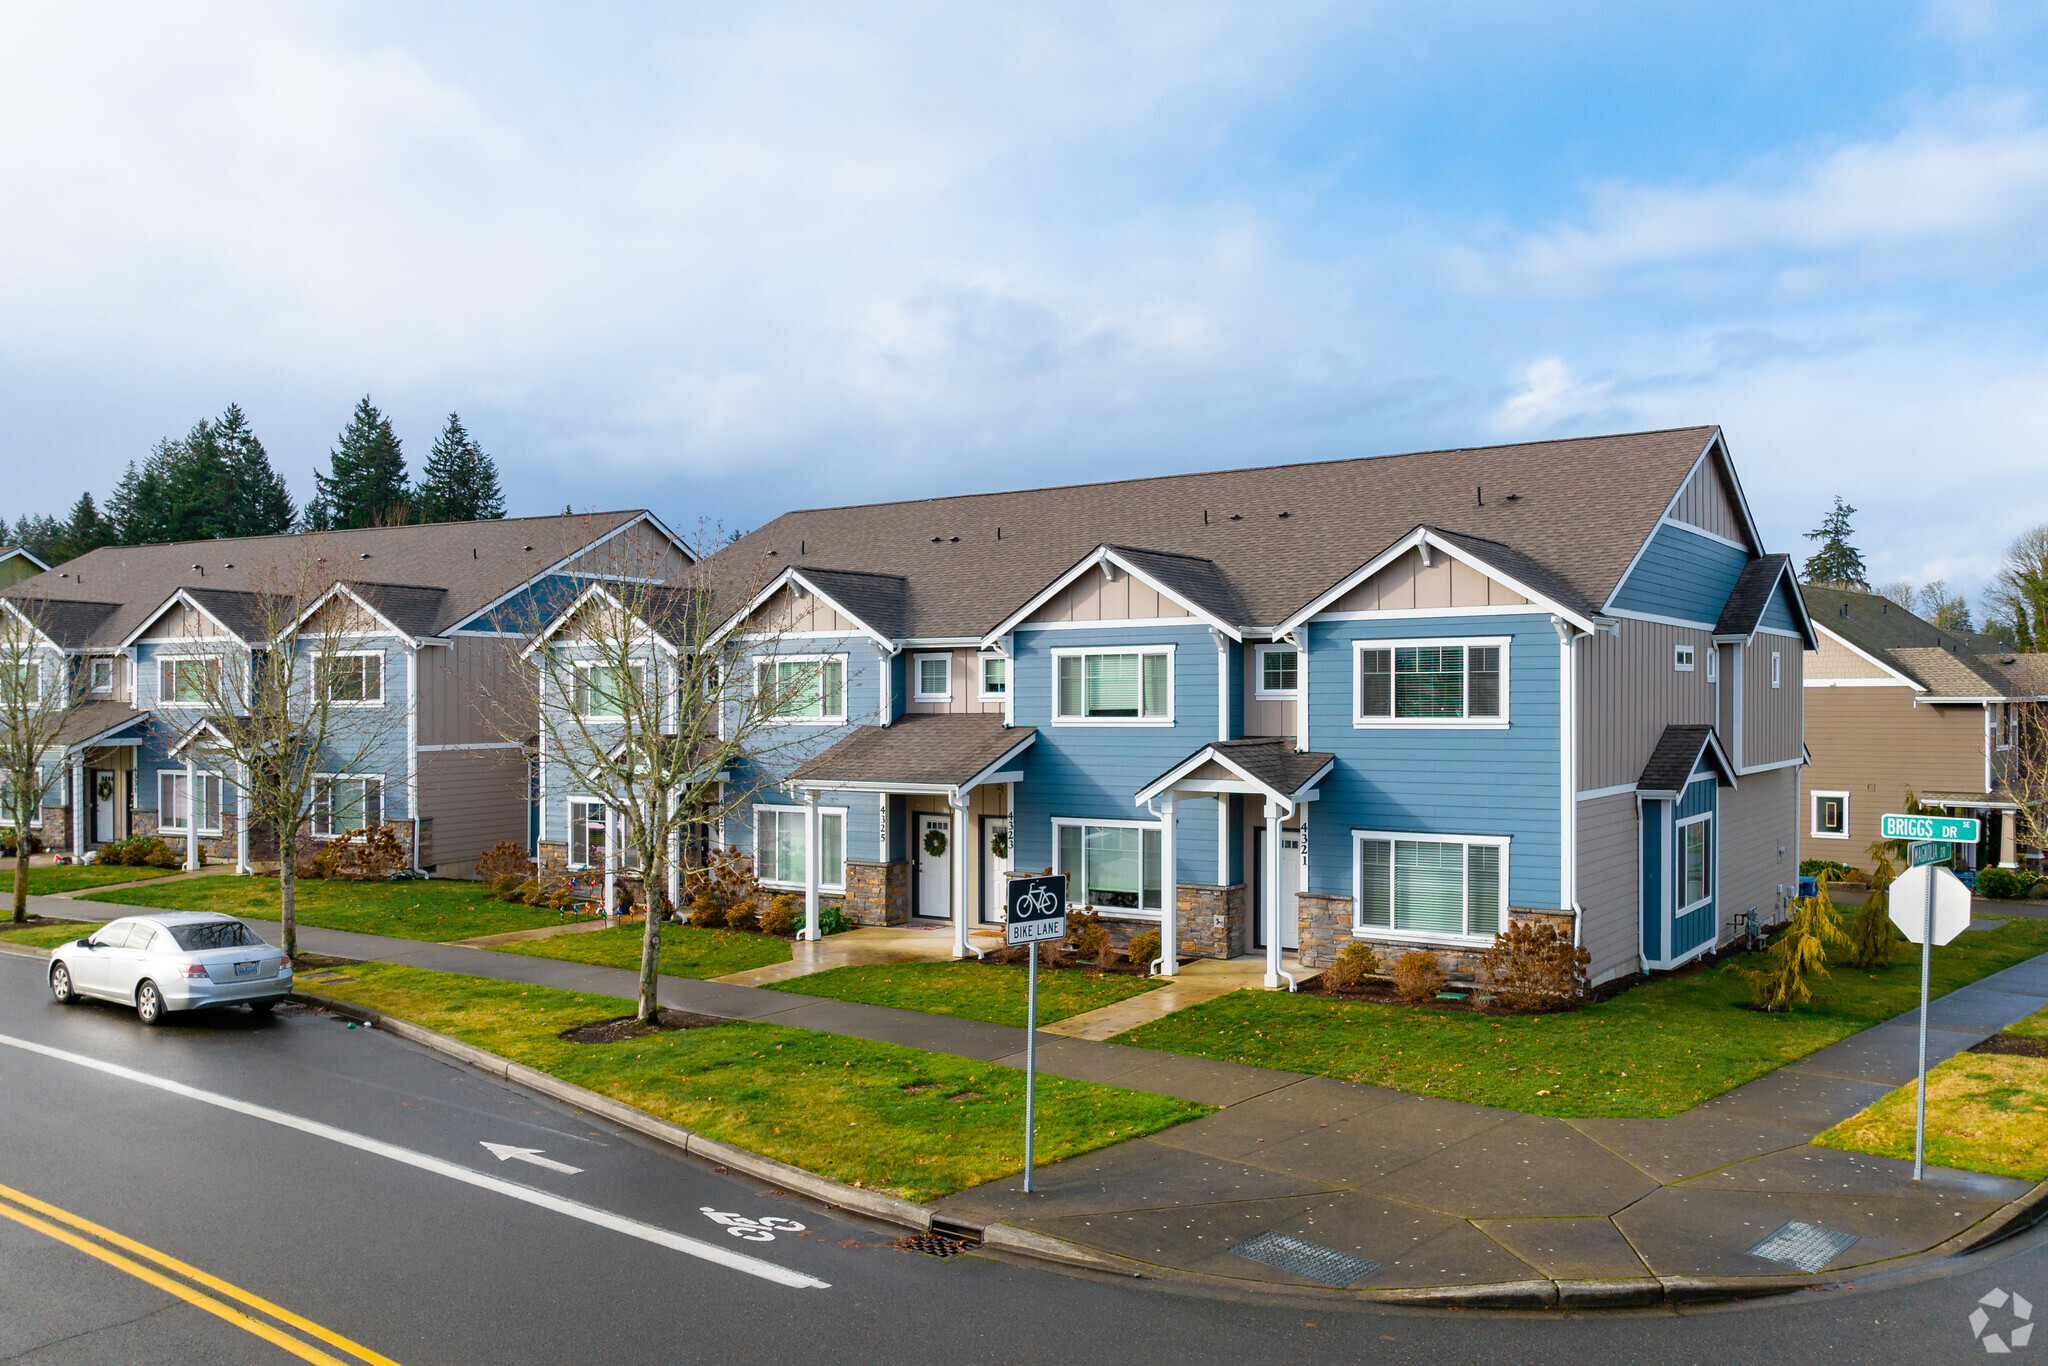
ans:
x=935 y=842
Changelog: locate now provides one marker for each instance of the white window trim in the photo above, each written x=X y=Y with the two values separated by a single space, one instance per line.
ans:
x=1683 y=656
x=1259 y=689
x=1361 y=722
x=626 y=865
x=1775 y=658
x=383 y=795
x=1813 y=815
x=845 y=687
x=178 y=773
x=162 y=698
x=1678 y=828
x=1713 y=664
x=1361 y=930
x=584 y=666
x=837 y=888
x=91 y=668
x=377 y=655
x=1166 y=720
x=36 y=821
x=1113 y=912
x=981 y=677
x=917 y=692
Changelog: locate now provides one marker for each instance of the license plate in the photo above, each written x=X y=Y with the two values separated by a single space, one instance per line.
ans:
x=245 y=969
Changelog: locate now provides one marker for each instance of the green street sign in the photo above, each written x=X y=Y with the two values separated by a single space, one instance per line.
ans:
x=1928 y=851
x=1953 y=829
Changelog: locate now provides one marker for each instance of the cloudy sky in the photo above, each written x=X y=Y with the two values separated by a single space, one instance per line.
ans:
x=728 y=259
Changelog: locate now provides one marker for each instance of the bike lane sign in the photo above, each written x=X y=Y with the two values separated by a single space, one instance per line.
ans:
x=1038 y=909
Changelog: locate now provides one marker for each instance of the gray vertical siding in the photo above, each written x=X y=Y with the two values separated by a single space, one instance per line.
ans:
x=1758 y=853
x=1706 y=503
x=1610 y=885
x=1628 y=693
x=1772 y=718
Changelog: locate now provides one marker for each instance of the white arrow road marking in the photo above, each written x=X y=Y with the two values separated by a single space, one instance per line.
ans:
x=589 y=1214
x=504 y=1150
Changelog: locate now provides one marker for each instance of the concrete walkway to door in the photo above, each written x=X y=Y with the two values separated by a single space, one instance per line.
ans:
x=919 y=941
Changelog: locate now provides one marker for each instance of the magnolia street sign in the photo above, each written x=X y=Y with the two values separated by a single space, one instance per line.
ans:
x=1928 y=851
x=1914 y=889
x=1954 y=829
x=1038 y=909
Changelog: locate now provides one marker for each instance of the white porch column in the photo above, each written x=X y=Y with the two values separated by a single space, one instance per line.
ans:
x=611 y=859
x=78 y=800
x=1223 y=841
x=958 y=801
x=242 y=823
x=812 y=828
x=1270 y=891
x=1169 y=889
x=675 y=871
x=193 y=806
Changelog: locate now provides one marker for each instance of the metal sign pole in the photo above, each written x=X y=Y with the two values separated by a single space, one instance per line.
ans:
x=1920 y=1104
x=1031 y=1058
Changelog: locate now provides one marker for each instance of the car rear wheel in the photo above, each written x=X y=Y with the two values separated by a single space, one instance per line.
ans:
x=60 y=985
x=149 y=1004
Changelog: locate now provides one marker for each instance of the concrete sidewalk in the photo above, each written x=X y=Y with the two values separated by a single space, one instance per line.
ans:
x=1376 y=1189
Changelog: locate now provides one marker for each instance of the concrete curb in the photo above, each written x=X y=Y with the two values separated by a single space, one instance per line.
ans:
x=2015 y=1218
x=23 y=951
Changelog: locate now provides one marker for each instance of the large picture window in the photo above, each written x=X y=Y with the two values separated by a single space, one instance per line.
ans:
x=342 y=804
x=588 y=837
x=174 y=804
x=604 y=690
x=1110 y=866
x=354 y=679
x=1449 y=886
x=804 y=689
x=1113 y=686
x=1431 y=683
x=779 y=846
x=1695 y=863
x=187 y=680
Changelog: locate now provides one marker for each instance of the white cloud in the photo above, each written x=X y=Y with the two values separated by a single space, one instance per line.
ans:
x=1550 y=394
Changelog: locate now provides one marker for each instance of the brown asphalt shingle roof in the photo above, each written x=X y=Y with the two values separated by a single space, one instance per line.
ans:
x=1751 y=596
x=1272 y=759
x=924 y=748
x=1276 y=536
x=471 y=564
x=1946 y=663
x=90 y=720
x=1673 y=760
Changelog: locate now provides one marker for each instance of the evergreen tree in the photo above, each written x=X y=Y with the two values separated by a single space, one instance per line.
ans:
x=366 y=483
x=1836 y=562
x=41 y=537
x=6 y=536
x=258 y=503
x=85 y=531
x=460 y=483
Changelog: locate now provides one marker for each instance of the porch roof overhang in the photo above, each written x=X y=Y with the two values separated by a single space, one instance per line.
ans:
x=948 y=754
x=1265 y=766
x=97 y=725
x=1980 y=801
x=1676 y=760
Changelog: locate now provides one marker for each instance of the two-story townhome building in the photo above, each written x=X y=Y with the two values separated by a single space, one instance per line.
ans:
x=1402 y=700
x=1895 y=704
x=429 y=618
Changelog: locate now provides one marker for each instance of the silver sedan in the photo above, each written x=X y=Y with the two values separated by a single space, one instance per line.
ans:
x=172 y=960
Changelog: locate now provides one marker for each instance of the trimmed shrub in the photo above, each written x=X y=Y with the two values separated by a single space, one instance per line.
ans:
x=502 y=860
x=2003 y=884
x=1534 y=966
x=1814 y=867
x=783 y=916
x=707 y=914
x=1088 y=937
x=139 y=851
x=504 y=886
x=1418 y=977
x=725 y=881
x=1143 y=948
x=742 y=917
x=1356 y=963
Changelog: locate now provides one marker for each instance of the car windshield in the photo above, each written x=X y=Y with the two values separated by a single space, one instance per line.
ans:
x=214 y=934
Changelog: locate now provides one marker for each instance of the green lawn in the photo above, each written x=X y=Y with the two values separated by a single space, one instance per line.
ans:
x=1657 y=1050
x=971 y=990
x=76 y=877
x=437 y=910
x=891 y=1118
x=43 y=934
x=685 y=952
x=1986 y=1112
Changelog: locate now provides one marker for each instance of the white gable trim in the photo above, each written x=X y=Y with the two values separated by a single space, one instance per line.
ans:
x=582 y=599
x=793 y=576
x=23 y=553
x=38 y=631
x=1421 y=536
x=180 y=597
x=559 y=565
x=340 y=590
x=1868 y=658
x=1103 y=554
x=1208 y=755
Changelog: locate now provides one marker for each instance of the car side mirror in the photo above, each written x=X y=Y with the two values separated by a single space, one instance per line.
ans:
x=85 y=944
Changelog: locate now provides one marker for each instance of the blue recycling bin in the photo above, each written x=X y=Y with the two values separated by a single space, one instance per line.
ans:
x=1809 y=886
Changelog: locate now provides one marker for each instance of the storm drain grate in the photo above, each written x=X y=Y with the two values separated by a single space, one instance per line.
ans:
x=1324 y=1264
x=1804 y=1247
x=932 y=1244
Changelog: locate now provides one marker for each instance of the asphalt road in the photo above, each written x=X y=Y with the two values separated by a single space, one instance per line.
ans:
x=340 y=1174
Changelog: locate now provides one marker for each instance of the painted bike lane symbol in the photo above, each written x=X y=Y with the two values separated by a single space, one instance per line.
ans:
x=762 y=1230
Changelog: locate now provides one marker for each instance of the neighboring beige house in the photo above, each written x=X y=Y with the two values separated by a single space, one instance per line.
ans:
x=17 y=564
x=1896 y=704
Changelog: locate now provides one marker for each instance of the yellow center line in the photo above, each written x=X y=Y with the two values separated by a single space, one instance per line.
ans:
x=186 y=1292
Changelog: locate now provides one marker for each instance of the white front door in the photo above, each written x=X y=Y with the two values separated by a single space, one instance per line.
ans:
x=935 y=869
x=995 y=868
x=106 y=790
x=1290 y=889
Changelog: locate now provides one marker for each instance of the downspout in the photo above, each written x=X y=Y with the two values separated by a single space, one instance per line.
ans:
x=1222 y=733
x=1568 y=776
x=1300 y=638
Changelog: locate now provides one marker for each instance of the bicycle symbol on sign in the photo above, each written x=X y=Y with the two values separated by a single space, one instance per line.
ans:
x=1039 y=901
x=762 y=1230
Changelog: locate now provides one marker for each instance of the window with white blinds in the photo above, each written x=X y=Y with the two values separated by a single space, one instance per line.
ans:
x=174 y=804
x=1113 y=686
x=1431 y=682
x=1112 y=866
x=1450 y=886
x=780 y=846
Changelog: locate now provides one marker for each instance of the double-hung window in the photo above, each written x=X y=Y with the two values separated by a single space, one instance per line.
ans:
x=604 y=690
x=1695 y=862
x=1431 y=683
x=589 y=836
x=353 y=679
x=102 y=675
x=803 y=689
x=1453 y=886
x=31 y=811
x=1112 y=866
x=995 y=676
x=1279 y=671
x=187 y=680
x=342 y=804
x=780 y=846
x=175 y=806
x=931 y=678
x=22 y=685
x=1132 y=686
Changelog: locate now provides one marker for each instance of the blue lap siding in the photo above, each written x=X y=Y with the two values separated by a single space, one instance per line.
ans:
x=1682 y=575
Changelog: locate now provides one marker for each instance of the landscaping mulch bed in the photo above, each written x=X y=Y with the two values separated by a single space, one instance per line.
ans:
x=2014 y=1045
x=630 y=1027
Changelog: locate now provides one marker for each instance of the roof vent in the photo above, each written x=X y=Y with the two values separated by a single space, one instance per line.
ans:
x=937 y=539
x=1237 y=516
x=1843 y=611
x=1514 y=498
x=529 y=549
x=953 y=538
x=1286 y=514
x=366 y=554
x=202 y=570
x=227 y=566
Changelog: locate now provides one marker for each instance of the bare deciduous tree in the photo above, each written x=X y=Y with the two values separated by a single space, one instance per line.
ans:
x=2022 y=731
x=40 y=692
